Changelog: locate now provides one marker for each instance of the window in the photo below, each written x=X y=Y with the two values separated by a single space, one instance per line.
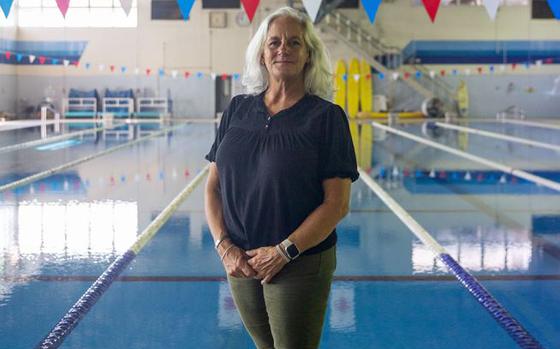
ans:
x=81 y=13
x=476 y=2
x=541 y=10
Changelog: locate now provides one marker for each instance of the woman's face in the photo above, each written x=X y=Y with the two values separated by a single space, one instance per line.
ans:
x=285 y=53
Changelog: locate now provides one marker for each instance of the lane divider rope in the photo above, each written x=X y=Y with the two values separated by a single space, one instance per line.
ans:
x=513 y=327
x=492 y=164
x=37 y=142
x=84 y=304
x=46 y=173
x=520 y=140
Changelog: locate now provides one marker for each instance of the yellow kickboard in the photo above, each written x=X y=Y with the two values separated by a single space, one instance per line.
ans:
x=353 y=88
x=340 y=84
x=355 y=138
x=366 y=88
x=463 y=98
x=366 y=146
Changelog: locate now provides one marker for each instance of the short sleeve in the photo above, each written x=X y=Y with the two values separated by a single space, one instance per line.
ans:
x=222 y=129
x=337 y=157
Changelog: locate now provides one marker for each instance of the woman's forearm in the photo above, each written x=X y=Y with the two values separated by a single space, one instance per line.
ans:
x=318 y=225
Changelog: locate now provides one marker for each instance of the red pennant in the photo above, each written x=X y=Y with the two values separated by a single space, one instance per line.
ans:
x=480 y=177
x=549 y=61
x=224 y=77
x=431 y=7
x=406 y=75
x=112 y=67
x=368 y=76
x=148 y=177
x=443 y=174
x=76 y=63
x=8 y=55
x=187 y=173
x=148 y=71
x=250 y=7
x=187 y=74
x=42 y=59
x=63 y=6
x=442 y=72
x=513 y=66
x=479 y=70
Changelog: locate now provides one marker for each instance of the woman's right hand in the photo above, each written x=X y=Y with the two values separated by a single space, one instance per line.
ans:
x=235 y=261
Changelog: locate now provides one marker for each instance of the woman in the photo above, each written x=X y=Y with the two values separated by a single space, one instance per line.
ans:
x=279 y=182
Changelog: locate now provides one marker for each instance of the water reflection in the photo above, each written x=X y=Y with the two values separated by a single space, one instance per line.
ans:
x=35 y=234
x=342 y=305
x=479 y=248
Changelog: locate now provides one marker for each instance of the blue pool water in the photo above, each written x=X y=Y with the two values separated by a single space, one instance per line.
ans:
x=59 y=234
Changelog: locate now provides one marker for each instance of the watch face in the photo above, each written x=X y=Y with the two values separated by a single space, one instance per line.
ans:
x=292 y=251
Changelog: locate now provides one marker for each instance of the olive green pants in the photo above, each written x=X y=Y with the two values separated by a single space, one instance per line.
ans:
x=288 y=312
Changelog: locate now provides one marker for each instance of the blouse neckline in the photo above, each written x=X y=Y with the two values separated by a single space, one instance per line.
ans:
x=261 y=106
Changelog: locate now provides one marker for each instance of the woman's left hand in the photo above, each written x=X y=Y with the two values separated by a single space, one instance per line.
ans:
x=267 y=262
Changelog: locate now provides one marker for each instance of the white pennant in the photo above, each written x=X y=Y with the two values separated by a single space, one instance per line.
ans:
x=492 y=8
x=31 y=58
x=136 y=71
x=174 y=73
x=312 y=8
x=432 y=74
x=126 y=5
x=66 y=62
x=213 y=76
x=356 y=77
x=101 y=67
x=396 y=75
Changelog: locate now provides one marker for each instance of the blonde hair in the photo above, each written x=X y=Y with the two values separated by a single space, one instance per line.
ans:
x=318 y=75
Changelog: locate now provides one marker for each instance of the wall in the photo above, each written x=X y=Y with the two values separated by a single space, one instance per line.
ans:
x=8 y=81
x=193 y=46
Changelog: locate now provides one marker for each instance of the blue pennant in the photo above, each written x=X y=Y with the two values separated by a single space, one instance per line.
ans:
x=6 y=6
x=185 y=6
x=371 y=7
x=555 y=7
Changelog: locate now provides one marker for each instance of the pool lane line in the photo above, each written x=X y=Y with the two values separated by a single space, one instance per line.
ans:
x=37 y=142
x=492 y=164
x=495 y=135
x=46 y=173
x=73 y=316
x=513 y=327
x=530 y=123
x=340 y=278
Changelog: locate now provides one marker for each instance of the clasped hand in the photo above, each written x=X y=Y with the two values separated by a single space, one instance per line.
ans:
x=262 y=263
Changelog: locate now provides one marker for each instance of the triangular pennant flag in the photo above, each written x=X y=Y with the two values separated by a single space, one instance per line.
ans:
x=213 y=76
x=126 y=5
x=101 y=67
x=19 y=57
x=174 y=73
x=371 y=7
x=356 y=77
x=8 y=54
x=6 y=6
x=63 y=6
x=66 y=62
x=554 y=6
x=187 y=74
x=312 y=7
x=54 y=61
x=431 y=7
x=42 y=59
x=31 y=58
x=148 y=71
x=87 y=65
x=136 y=71
x=161 y=72
x=123 y=69
x=112 y=68
x=185 y=6
x=250 y=7
x=492 y=8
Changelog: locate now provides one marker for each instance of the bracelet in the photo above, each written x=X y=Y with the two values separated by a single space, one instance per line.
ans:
x=218 y=242
x=281 y=252
x=225 y=252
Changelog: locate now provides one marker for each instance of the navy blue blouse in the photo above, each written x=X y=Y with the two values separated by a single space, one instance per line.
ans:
x=271 y=168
